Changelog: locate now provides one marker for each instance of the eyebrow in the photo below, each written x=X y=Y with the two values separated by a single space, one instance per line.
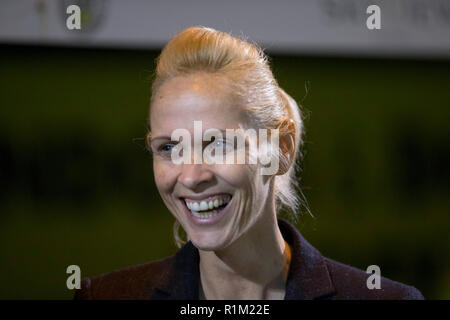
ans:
x=159 y=138
x=223 y=131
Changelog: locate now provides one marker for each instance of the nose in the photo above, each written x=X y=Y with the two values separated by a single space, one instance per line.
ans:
x=194 y=176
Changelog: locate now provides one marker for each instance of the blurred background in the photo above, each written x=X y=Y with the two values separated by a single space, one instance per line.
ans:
x=76 y=183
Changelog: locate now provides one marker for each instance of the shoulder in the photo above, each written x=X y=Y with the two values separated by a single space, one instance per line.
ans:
x=134 y=282
x=351 y=283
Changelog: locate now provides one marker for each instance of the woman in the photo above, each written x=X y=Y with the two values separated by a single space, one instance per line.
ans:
x=236 y=248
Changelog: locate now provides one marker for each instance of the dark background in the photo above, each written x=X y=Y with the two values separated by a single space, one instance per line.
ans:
x=76 y=183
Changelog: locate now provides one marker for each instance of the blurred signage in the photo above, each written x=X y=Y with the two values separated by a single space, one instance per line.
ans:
x=351 y=27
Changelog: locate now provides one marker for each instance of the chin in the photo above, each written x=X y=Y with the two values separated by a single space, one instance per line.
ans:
x=207 y=242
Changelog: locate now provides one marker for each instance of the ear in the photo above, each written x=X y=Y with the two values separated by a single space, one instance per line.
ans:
x=287 y=145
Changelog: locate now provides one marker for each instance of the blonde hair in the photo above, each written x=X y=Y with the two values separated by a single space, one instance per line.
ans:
x=246 y=65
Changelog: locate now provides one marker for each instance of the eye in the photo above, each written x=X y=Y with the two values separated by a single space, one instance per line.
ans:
x=223 y=145
x=166 y=147
x=219 y=144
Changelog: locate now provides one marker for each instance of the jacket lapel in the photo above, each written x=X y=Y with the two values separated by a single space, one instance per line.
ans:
x=308 y=276
x=182 y=280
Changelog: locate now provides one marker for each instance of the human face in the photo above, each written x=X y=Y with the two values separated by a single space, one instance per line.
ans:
x=240 y=188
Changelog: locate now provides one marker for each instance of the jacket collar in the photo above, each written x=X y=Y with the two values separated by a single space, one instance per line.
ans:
x=308 y=276
x=181 y=282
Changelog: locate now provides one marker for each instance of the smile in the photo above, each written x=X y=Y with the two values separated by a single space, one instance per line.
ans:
x=208 y=207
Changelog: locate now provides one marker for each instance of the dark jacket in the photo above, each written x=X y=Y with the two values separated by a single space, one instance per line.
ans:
x=311 y=276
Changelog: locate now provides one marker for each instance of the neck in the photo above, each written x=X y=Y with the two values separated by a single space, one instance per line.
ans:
x=255 y=266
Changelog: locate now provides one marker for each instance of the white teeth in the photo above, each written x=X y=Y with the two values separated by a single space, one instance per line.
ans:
x=204 y=215
x=204 y=205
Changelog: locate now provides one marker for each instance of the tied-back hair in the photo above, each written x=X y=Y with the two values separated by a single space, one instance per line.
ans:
x=245 y=65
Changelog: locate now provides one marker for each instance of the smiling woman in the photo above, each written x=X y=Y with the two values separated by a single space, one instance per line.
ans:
x=236 y=246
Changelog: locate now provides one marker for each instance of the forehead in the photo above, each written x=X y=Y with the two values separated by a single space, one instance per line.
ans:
x=198 y=97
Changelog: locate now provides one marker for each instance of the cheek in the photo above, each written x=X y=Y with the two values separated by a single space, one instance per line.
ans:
x=251 y=186
x=239 y=176
x=165 y=176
